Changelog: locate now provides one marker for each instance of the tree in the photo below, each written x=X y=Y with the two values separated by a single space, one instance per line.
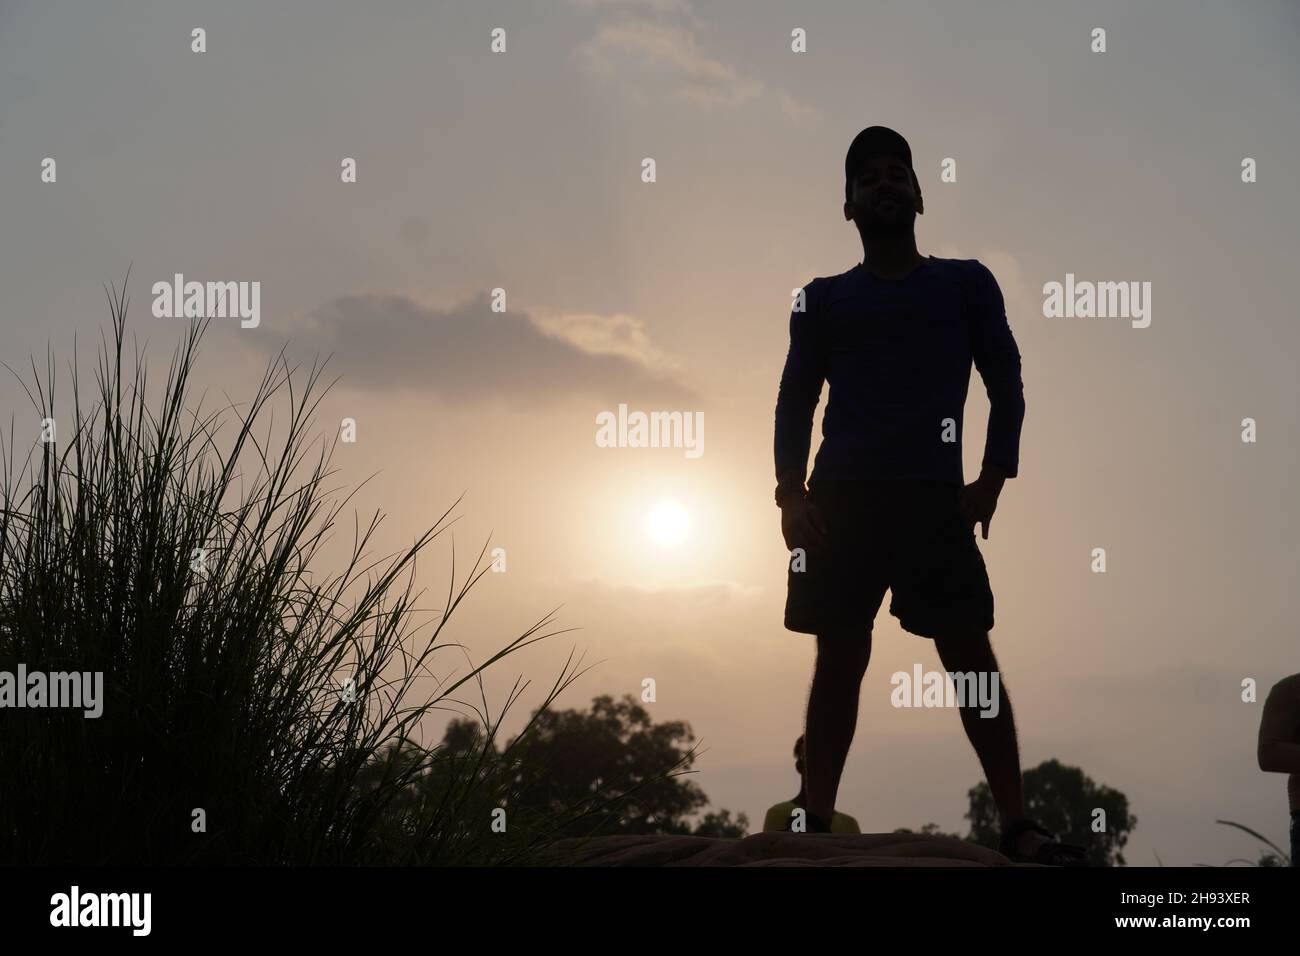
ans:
x=932 y=829
x=571 y=772
x=1064 y=800
x=720 y=824
x=619 y=762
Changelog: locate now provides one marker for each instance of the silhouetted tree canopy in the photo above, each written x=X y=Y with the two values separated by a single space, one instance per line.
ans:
x=932 y=829
x=1063 y=800
x=613 y=763
x=616 y=756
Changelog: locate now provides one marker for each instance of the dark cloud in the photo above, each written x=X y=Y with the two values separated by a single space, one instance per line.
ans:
x=472 y=353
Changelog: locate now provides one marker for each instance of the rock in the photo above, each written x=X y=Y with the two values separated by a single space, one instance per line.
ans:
x=782 y=849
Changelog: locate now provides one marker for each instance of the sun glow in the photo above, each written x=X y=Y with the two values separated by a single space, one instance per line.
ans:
x=668 y=523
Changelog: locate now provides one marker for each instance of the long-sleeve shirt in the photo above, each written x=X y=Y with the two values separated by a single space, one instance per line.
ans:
x=1279 y=734
x=897 y=354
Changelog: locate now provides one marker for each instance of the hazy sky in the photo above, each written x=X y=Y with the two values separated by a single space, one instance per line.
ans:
x=522 y=171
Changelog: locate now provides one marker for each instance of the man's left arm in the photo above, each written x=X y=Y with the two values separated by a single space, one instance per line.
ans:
x=1278 y=750
x=997 y=359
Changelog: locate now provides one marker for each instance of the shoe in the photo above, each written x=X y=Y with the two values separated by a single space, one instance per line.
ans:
x=1051 y=853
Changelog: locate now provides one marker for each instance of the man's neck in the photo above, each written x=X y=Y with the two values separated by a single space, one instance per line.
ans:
x=890 y=257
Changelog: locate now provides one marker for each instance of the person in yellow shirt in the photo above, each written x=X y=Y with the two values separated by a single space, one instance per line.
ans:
x=781 y=816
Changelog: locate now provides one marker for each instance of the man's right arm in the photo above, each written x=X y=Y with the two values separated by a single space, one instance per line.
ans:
x=798 y=394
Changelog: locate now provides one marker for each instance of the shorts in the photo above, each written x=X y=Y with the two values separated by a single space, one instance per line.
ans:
x=905 y=536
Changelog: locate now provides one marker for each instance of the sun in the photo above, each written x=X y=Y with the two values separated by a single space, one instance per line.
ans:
x=668 y=523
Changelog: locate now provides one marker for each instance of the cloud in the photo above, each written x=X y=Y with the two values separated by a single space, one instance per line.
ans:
x=674 y=52
x=1006 y=268
x=698 y=594
x=619 y=334
x=385 y=341
x=659 y=6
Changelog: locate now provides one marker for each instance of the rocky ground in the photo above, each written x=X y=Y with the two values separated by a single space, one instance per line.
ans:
x=784 y=849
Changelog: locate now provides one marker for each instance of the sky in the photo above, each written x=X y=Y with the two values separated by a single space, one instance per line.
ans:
x=522 y=171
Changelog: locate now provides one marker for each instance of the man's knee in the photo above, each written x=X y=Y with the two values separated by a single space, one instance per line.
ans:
x=844 y=652
x=965 y=650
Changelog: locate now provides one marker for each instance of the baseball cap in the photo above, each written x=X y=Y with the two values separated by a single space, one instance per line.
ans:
x=876 y=139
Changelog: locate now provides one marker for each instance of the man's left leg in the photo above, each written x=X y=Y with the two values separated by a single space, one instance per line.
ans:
x=941 y=591
x=994 y=738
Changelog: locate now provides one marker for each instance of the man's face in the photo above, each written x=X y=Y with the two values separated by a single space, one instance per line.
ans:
x=884 y=200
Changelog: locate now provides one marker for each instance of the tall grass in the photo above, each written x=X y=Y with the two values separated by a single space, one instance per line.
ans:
x=1278 y=857
x=177 y=552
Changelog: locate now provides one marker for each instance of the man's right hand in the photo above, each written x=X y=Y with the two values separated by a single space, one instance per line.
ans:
x=802 y=525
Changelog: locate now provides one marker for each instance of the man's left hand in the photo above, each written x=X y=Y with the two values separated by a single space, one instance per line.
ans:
x=979 y=499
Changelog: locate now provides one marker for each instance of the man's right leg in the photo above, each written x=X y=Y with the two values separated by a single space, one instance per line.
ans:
x=832 y=715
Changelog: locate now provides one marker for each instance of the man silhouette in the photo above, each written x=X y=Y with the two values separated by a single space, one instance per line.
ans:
x=779 y=816
x=886 y=506
x=1278 y=748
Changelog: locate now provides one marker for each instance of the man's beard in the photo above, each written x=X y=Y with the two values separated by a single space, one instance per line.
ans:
x=868 y=225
